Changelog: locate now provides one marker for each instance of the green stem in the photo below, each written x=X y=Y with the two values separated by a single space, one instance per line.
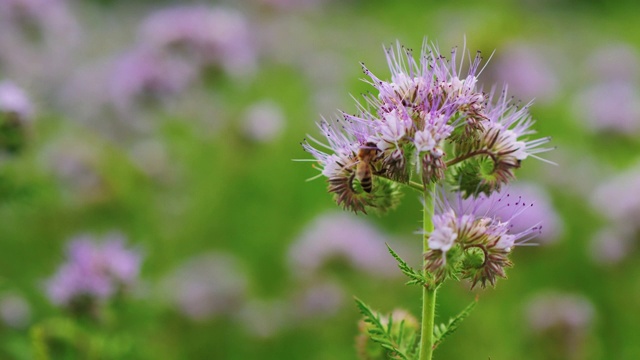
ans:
x=428 y=292
x=416 y=186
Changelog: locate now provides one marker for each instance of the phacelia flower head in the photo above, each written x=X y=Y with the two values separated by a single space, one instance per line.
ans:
x=215 y=36
x=94 y=271
x=468 y=242
x=428 y=119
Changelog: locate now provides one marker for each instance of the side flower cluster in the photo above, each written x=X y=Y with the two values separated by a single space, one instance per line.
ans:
x=428 y=119
x=93 y=271
x=467 y=243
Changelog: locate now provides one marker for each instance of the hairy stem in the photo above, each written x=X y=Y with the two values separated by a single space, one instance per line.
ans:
x=412 y=184
x=416 y=186
x=428 y=292
x=469 y=155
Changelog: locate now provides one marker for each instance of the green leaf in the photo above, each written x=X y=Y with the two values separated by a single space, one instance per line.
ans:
x=382 y=332
x=416 y=277
x=441 y=331
x=39 y=343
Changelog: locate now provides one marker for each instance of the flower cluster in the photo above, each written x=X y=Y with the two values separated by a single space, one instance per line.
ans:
x=16 y=115
x=469 y=243
x=428 y=119
x=93 y=271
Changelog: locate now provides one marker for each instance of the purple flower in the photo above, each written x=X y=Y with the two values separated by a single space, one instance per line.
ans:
x=76 y=167
x=94 y=270
x=611 y=245
x=292 y=5
x=340 y=236
x=14 y=101
x=208 y=35
x=16 y=114
x=528 y=72
x=15 y=311
x=207 y=285
x=428 y=107
x=264 y=318
x=146 y=75
x=624 y=56
x=468 y=239
x=610 y=102
x=263 y=121
x=615 y=197
x=321 y=299
x=561 y=321
x=540 y=211
x=37 y=38
x=569 y=312
x=609 y=106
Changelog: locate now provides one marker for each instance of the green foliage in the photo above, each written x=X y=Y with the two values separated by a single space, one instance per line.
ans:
x=399 y=340
x=38 y=342
x=416 y=278
x=442 y=331
x=13 y=134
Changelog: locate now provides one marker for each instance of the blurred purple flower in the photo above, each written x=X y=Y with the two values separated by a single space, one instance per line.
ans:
x=624 y=56
x=36 y=38
x=579 y=173
x=263 y=121
x=611 y=245
x=609 y=106
x=318 y=300
x=615 y=199
x=528 y=72
x=292 y=5
x=610 y=101
x=13 y=100
x=206 y=286
x=14 y=310
x=209 y=35
x=564 y=321
x=76 y=166
x=570 y=312
x=147 y=75
x=94 y=269
x=264 y=318
x=151 y=157
x=342 y=236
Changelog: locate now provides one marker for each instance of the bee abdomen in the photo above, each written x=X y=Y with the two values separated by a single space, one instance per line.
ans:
x=367 y=184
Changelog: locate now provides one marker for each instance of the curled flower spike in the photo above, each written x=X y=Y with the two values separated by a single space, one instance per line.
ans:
x=487 y=159
x=468 y=243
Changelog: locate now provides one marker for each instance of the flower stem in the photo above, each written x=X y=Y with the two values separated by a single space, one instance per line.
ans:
x=428 y=292
x=416 y=186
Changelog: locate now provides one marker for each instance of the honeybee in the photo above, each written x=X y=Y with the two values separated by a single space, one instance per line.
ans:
x=364 y=170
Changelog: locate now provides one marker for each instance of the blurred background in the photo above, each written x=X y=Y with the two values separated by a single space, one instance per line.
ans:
x=150 y=207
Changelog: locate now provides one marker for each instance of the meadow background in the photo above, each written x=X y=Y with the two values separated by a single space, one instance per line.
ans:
x=187 y=154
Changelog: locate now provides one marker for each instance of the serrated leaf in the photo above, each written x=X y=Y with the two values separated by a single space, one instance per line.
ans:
x=416 y=277
x=382 y=333
x=441 y=331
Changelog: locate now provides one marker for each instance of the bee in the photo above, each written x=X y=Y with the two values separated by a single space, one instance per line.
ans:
x=364 y=169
